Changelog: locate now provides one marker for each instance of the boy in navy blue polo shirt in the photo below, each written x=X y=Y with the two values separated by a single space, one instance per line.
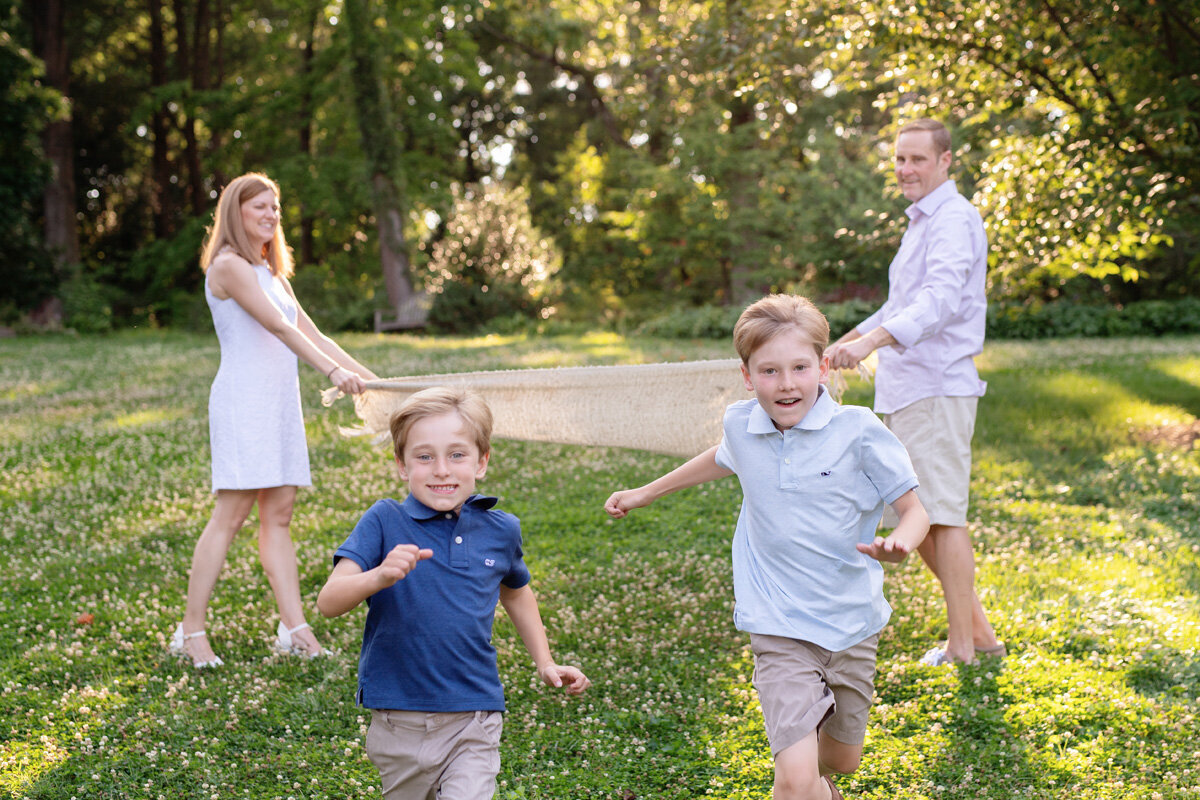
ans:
x=431 y=570
x=806 y=576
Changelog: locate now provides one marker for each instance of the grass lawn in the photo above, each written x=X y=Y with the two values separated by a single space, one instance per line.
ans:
x=1086 y=518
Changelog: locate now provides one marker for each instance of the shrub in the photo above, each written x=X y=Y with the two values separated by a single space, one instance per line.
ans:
x=492 y=262
x=1044 y=321
x=702 y=322
x=716 y=322
x=1067 y=319
x=87 y=304
x=339 y=294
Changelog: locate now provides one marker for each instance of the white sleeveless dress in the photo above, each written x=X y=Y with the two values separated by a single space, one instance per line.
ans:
x=255 y=425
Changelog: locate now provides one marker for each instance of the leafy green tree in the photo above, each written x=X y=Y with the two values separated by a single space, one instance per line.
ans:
x=686 y=150
x=688 y=153
x=1082 y=118
x=382 y=149
x=26 y=269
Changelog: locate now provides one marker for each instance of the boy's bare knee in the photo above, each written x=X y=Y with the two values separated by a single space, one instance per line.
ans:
x=793 y=788
x=838 y=756
x=797 y=772
x=799 y=787
x=842 y=764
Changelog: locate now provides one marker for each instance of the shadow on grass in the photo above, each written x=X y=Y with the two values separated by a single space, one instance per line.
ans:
x=1159 y=386
x=1061 y=416
x=984 y=758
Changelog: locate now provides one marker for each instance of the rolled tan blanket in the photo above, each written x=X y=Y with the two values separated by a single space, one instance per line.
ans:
x=673 y=408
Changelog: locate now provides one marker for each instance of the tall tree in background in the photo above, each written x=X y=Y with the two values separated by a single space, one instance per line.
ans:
x=381 y=147
x=26 y=270
x=62 y=238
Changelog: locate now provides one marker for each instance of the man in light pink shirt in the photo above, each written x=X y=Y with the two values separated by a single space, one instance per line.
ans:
x=926 y=386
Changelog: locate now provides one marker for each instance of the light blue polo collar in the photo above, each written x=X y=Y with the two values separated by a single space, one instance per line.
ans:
x=759 y=421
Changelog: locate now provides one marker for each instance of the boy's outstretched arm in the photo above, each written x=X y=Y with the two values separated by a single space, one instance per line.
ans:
x=522 y=608
x=701 y=469
x=348 y=585
x=908 y=533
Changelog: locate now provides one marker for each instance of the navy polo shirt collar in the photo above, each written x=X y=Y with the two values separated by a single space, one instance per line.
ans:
x=419 y=511
x=817 y=417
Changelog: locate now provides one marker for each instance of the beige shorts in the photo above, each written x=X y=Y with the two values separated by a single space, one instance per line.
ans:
x=804 y=687
x=937 y=433
x=425 y=756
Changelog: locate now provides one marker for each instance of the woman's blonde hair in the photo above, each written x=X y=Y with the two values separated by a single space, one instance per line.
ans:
x=227 y=230
x=438 y=400
x=768 y=317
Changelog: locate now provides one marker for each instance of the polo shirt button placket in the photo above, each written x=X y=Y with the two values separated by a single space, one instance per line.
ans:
x=458 y=551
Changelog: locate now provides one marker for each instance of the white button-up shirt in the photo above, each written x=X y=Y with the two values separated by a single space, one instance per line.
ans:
x=937 y=305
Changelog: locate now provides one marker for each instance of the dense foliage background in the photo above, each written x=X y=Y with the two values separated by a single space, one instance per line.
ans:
x=600 y=159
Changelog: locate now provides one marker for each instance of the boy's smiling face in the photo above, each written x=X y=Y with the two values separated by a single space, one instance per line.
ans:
x=441 y=462
x=784 y=373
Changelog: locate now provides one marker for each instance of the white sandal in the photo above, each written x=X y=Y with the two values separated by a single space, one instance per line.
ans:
x=176 y=646
x=284 y=643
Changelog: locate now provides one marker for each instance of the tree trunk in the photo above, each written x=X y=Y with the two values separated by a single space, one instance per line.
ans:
x=61 y=228
x=382 y=149
x=741 y=188
x=307 y=54
x=160 y=165
x=190 y=54
x=214 y=72
x=741 y=177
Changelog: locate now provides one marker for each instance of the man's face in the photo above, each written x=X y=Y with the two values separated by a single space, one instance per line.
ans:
x=919 y=167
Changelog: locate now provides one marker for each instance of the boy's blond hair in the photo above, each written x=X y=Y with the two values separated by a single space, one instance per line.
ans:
x=764 y=319
x=476 y=416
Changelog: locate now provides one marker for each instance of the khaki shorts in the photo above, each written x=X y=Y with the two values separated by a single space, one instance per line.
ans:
x=425 y=756
x=803 y=688
x=937 y=433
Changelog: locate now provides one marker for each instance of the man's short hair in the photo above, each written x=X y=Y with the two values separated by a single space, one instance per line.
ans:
x=941 y=136
x=438 y=400
x=765 y=319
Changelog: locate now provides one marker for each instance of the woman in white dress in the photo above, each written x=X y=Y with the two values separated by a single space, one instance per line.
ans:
x=256 y=428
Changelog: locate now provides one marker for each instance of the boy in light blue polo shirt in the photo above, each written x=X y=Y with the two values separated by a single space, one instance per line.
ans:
x=431 y=570
x=815 y=477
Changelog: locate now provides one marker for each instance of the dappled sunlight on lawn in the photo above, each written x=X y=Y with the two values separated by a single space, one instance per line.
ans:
x=65 y=732
x=739 y=743
x=23 y=763
x=148 y=418
x=20 y=391
x=1065 y=354
x=1088 y=552
x=1106 y=402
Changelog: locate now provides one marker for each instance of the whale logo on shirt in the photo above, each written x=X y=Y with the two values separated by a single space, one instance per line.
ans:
x=489 y=562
